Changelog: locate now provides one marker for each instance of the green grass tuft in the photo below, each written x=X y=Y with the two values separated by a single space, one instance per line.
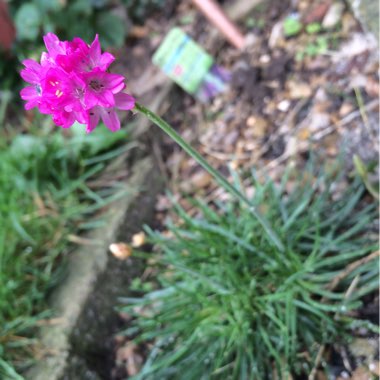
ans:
x=230 y=306
x=44 y=198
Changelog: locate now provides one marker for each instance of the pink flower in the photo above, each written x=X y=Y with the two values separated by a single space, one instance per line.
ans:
x=101 y=87
x=108 y=115
x=93 y=57
x=33 y=74
x=71 y=84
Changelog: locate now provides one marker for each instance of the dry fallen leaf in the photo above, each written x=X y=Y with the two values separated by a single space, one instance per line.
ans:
x=372 y=87
x=317 y=13
x=138 y=240
x=298 y=90
x=320 y=375
x=361 y=373
x=129 y=355
x=121 y=250
x=258 y=126
x=333 y=15
x=345 y=109
x=198 y=180
x=374 y=367
x=284 y=105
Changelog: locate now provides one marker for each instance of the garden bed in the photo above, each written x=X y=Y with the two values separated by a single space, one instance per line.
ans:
x=293 y=96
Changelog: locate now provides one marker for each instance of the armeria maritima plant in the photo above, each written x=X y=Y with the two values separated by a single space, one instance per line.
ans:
x=72 y=83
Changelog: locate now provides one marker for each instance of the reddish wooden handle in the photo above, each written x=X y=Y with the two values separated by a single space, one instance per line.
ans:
x=7 y=29
x=219 y=19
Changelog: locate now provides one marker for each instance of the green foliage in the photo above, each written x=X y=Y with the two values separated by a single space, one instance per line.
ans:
x=82 y=18
x=138 y=10
x=230 y=306
x=68 y=19
x=313 y=28
x=313 y=48
x=44 y=198
x=319 y=46
x=364 y=171
x=292 y=26
x=252 y=22
x=28 y=20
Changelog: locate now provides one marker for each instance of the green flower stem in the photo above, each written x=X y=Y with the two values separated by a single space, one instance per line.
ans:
x=201 y=161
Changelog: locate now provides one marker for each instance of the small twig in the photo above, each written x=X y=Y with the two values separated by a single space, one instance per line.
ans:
x=240 y=9
x=289 y=121
x=345 y=359
x=320 y=134
x=160 y=161
x=347 y=119
x=82 y=241
x=347 y=295
x=363 y=113
x=350 y=268
x=221 y=156
x=316 y=363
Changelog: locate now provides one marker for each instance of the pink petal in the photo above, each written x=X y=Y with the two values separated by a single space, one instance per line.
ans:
x=105 y=99
x=124 y=101
x=32 y=71
x=113 y=82
x=45 y=59
x=110 y=119
x=94 y=52
x=63 y=119
x=31 y=64
x=81 y=116
x=29 y=93
x=53 y=45
x=105 y=60
x=77 y=44
x=93 y=120
x=31 y=104
x=90 y=100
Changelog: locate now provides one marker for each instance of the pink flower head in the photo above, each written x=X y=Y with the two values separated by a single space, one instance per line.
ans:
x=71 y=83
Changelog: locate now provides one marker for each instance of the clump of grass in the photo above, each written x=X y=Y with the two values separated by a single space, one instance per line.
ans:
x=230 y=306
x=44 y=198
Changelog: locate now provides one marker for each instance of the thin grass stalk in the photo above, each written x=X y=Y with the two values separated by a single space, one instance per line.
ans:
x=158 y=121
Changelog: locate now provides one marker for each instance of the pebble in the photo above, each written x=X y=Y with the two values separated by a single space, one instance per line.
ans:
x=283 y=106
x=333 y=15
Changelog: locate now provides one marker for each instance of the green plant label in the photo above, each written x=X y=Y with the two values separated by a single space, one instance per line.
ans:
x=183 y=60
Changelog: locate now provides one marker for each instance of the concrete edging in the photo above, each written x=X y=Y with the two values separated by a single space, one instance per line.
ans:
x=87 y=273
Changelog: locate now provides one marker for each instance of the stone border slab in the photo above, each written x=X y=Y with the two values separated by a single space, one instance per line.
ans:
x=88 y=283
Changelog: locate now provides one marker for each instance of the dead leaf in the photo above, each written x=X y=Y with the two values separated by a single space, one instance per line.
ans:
x=374 y=367
x=345 y=109
x=372 y=87
x=138 y=31
x=198 y=180
x=277 y=35
x=304 y=134
x=361 y=373
x=317 y=13
x=333 y=15
x=364 y=347
x=284 y=105
x=320 y=375
x=358 y=44
x=138 y=239
x=298 y=90
x=131 y=357
x=121 y=250
x=163 y=203
x=258 y=126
